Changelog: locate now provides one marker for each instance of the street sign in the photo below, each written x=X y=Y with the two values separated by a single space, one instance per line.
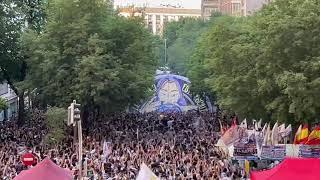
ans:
x=28 y=159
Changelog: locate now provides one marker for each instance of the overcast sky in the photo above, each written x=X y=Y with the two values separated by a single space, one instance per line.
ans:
x=194 y=4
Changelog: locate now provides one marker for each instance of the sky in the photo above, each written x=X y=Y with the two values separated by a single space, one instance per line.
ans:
x=194 y=4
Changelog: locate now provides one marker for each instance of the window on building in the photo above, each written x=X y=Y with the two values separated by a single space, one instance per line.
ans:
x=146 y=21
x=236 y=9
x=158 y=19
x=158 y=24
x=209 y=11
x=165 y=20
x=150 y=22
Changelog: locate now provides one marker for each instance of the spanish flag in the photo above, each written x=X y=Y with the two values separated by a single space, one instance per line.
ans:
x=314 y=137
x=302 y=136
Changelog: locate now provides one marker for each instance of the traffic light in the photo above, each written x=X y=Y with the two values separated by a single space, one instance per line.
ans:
x=76 y=111
x=73 y=113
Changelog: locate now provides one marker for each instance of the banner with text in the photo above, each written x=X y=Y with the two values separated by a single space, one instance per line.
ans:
x=247 y=151
x=307 y=151
x=277 y=152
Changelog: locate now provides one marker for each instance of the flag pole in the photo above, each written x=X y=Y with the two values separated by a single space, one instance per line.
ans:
x=137 y=134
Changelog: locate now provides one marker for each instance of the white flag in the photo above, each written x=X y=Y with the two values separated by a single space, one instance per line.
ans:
x=264 y=129
x=263 y=132
x=267 y=135
x=244 y=124
x=298 y=131
x=288 y=131
x=275 y=134
x=260 y=136
x=282 y=129
x=255 y=124
x=260 y=124
x=145 y=173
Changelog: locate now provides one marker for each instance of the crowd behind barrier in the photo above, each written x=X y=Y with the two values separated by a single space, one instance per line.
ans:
x=173 y=146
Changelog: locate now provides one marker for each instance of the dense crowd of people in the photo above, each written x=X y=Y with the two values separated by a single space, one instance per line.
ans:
x=14 y=141
x=173 y=146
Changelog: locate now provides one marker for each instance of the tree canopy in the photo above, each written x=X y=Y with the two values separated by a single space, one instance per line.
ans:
x=266 y=65
x=87 y=52
x=55 y=121
x=9 y=39
x=15 y=17
x=182 y=37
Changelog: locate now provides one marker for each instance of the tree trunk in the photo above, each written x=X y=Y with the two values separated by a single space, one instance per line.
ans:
x=16 y=91
x=21 y=109
x=98 y=113
x=5 y=114
x=85 y=116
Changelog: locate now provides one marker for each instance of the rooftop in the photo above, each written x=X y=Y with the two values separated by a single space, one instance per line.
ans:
x=162 y=10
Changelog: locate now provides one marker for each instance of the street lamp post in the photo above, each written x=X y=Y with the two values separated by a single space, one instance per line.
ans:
x=165 y=51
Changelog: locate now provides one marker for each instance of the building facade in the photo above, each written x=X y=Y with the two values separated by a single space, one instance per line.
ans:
x=155 y=18
x=208 y=7
x=11 y=99
x=232 y=7
x=252 y=6
x=241 y=7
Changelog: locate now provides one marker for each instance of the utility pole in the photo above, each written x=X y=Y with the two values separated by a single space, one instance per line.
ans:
x=165 y=50
x=74 y=119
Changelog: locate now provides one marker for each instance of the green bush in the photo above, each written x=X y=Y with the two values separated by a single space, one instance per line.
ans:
x=3 y=104
x=55 y=122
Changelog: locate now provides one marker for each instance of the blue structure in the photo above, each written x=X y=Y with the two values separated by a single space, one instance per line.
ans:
x=171 y=94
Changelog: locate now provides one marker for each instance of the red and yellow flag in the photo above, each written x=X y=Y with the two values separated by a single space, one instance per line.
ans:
x=314 y=137
x=302 y=137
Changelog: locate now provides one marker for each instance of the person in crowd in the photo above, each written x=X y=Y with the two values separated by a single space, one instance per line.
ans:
x=174 y=146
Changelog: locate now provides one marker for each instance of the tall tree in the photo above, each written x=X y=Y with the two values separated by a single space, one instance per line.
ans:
x=88 y=53
x=14 y=16
x=11 y=66
x=266 y=65
x=182 y=37
x=289 y=64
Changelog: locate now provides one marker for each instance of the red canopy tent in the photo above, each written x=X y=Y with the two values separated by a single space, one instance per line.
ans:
x=45 y=170
x=291 y=169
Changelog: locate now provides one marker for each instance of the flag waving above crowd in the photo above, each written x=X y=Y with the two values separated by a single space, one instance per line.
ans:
x=271 y=140
x=145 y=173
x=302 y=134
x=246 y=134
